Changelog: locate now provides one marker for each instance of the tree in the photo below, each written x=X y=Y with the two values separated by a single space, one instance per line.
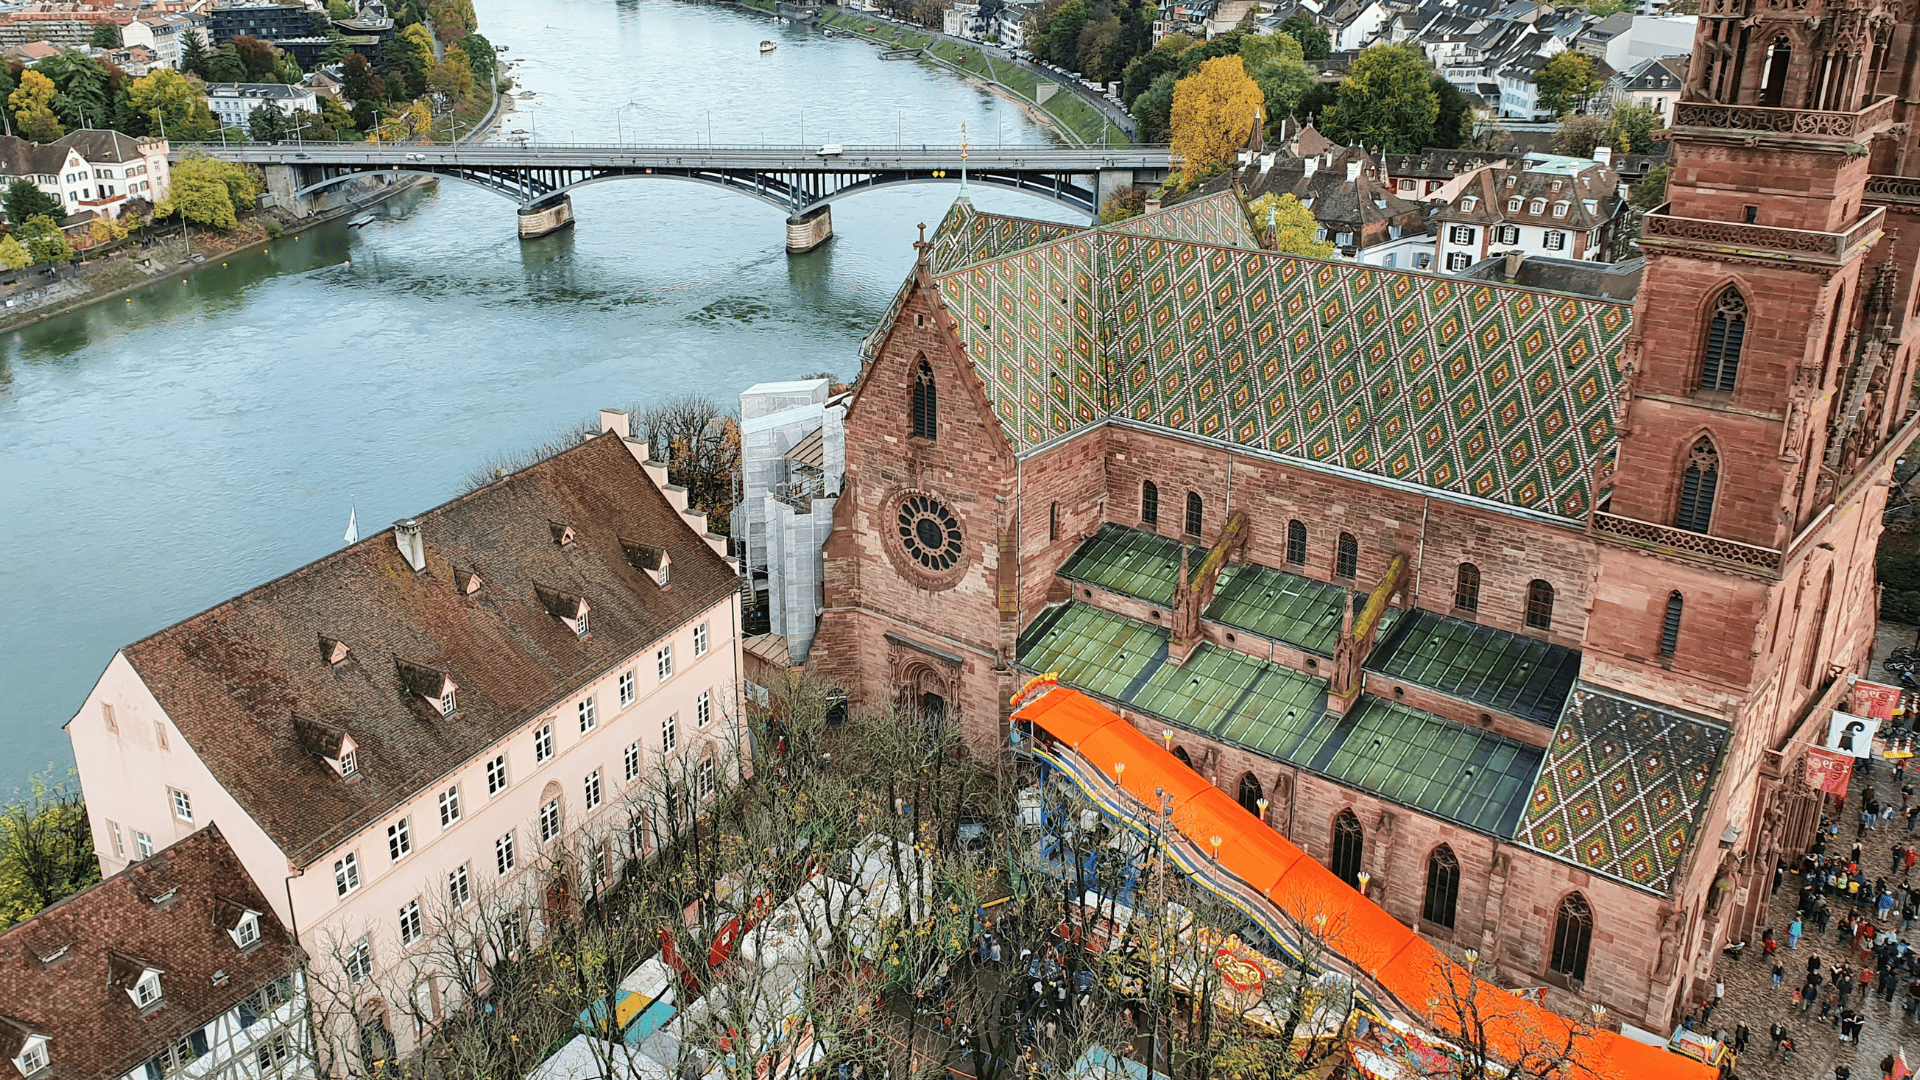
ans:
x=1284 y=84
x=258 y=59
x=1454 y=125
x=334 y=124
x=1600 y=9
x=1566 y=82
x=13 y=255
x=1214 y=110
x=83 y=95
x=1258 y=49
x=267 y=124
x=173 y=103
x=410 y=54
x=1650 y=190
x=452 y=78
x=106 y=35
x=1286 y=225
x=337 y=50
x=24 y=199
x=33 y=108
x=340 y=10
x=46 y=845
x=209 y=192
x=452 y=20
x=408 y=121
x=226 y=65
x=45 y=242
x=1631 y=127
x=480 y=55
x=194 y=58
x=1154 y=108
x=700 y=442
x=1129 y=201
x=359 y=83
x=1386 y=100
x=1315 y=43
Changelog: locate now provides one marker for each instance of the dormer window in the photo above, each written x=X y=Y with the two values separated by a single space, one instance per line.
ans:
x=349 y=763
x=580 y=624
x=430 y=684
x=146 y=991
x=247 y=932
x=1513 y=206
x=1559 y=209
x=1467 y=204
x=1512 y=180
x=333 y=651
x=649 y=560
x=568 y=608
x=1537 y=206
x=1556 y=185
x=562 y=534
x=35 y=1055
x=447 y=703
x=467 y=580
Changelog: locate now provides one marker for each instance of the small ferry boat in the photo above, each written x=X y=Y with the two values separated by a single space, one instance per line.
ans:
x=363 y=219
x=768 y=46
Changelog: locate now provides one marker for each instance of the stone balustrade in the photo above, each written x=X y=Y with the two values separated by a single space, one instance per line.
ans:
x=1684 y=542
x=1761 y=120
x=1659 y=226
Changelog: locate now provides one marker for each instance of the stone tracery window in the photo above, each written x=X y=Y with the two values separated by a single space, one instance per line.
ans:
x=929 y=533
x=1697 y=485
x=1466 y=588
x=1149 y=502
x=1726 y=333
x=1349 y=842
x=1572 y=937
x=926 y=413
x=1443 y=887
x=1539 y=605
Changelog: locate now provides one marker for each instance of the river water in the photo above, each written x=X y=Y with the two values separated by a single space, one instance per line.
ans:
x=160 y=455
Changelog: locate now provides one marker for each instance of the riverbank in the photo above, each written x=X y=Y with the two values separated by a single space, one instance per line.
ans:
x=1064 y=110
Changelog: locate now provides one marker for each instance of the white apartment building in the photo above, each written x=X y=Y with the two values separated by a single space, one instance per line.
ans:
x=89 y=170
x=232 y=103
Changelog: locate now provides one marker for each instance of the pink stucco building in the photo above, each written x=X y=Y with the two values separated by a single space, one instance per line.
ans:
x=432 y=742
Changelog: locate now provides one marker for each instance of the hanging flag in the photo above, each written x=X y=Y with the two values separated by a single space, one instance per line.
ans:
x=353 y=528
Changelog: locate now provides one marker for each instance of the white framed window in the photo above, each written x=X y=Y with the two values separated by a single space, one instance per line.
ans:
x=1513 y=206
x=580 y=625
x=700 y=640
x=592 y=786
x=497 y=775
x=1509 y=234
x=247 y=932
x=669 y=734
x=1460 y=234
x=143 y=844
x=1556 y=240
x=1559 y=209
x=626 y=688
x=663 y=660
x=33 y=1057
x=450 y=807
x=346 y=873
x=1467 y=203
x=119 y=846
x=447 y=704
x=632 y=761
x=360 y=961
x=272 y=1052
x=543 y=744
x=586 y=711
x=703 y=709
x=399 y=839
x=503 y=854
x=550 y=821
x=1537 y=206
x=1458 y=260
x=182 y=806
x=147 y=990
x=349 y=764
x=410 y=923
x=176 y=1056
x=459 y=886
x=705 y=779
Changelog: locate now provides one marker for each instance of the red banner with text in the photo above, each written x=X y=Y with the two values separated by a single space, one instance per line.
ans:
x=1875 y=700
x=1828 y=770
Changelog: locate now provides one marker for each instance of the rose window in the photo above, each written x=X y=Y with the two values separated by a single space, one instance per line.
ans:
x=930 y=533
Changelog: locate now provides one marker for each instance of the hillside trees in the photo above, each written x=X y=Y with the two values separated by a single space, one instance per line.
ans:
x=32 y=104
x=23 y=199
x=172 y=103
x=1567 y=82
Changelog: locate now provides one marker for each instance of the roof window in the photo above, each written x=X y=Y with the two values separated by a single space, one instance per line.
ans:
x=331 y=744
x=35 y=1055
x=246 y=932
x=562 y=534
x=649 y=560
x=568 y=608
x=1560 y=209
x=1467 y=203
x=431 y=685
x=333 y=651
x=466 y=579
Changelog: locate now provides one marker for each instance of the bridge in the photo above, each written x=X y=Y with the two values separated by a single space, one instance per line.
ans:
x=802 y=181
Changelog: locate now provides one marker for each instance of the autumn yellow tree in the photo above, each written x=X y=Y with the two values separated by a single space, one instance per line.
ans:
x=1286 y=225
x=408 y=121
x=1214 y=110
x=33 y=108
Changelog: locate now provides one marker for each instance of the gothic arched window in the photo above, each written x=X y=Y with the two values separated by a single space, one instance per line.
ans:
x=1572 y=937
x=1349 y=842
x=1149 y=502
x=926 y=412
x=1539 y=605
x=1193 y=512
x=1466 y=588
x=1670 y=626
x=1443 y=887
x=1726 y=331
x=1346 y=559
x=1251 y=794
x=1697 y=485
x=1296 y=543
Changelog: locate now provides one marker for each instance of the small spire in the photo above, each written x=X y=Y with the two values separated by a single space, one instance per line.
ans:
x=921 y=247
x=963 y=161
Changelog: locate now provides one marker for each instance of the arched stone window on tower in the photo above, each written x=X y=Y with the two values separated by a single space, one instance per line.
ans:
x=1773 y=78
x=1443 y=887
x=1539 y=605
x=1466 y=588
x=1349 y=843
x=1149 y=502
x=1670 y=625
x=1726 y=333
x=1250 y=794
x=926 y=412
x=1193 y=512
x=1697 y=484
x=1572 y=937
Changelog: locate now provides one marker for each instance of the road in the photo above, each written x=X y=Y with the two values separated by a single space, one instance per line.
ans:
x=763 y=158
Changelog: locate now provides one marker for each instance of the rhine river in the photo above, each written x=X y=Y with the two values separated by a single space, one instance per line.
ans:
x=159 y=456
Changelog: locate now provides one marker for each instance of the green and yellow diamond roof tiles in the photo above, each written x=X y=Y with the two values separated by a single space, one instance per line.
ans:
x=1174 y=320
x=1623 y=787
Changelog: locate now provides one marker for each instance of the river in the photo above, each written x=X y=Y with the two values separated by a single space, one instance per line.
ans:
x=161 y=454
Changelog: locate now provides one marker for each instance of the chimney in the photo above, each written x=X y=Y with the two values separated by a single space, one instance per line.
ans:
x=615 y=421
x=1603 y=154
x=1513 y=258
x=1153 y=205
x=406 y=536
x=1353 y=171
x=1266 y=161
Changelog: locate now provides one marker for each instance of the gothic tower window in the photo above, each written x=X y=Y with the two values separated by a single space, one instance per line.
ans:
x=1053 y=521
x=1773 y=79
x=1572 y=937
x=1193 y=512
x=1149 y=502
x=1726 y=331
x=1296 y=543
x=1539 y=605
x=1349 y=842
x=1670 y=625
x=1697 y=485
x=1466 y=588
x=1346 y=559
x=1443 y=887
x=926 y=413
x=1251 y=794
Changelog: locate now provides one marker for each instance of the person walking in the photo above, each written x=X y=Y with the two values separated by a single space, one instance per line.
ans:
x=1913 y=815
x=1777 y=1032
x=1740 y=1037
x=1779 y=974
x=1794 y=930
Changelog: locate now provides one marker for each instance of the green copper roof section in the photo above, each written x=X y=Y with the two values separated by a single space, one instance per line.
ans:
x=1285 y=607
x=1128 y=561
x=1463 y=774
x=1509 y=672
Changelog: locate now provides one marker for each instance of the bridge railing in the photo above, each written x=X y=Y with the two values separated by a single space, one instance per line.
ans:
x=808 y=149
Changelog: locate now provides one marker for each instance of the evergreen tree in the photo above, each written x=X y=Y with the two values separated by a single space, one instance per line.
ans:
x=266 y=123
x=227 y=66
x=194 y=58
x=23 y=199
x=1454 y=127
x=106 y=35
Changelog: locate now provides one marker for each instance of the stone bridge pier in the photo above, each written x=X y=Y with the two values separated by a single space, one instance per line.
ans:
x=549 y=215
x=809 y=230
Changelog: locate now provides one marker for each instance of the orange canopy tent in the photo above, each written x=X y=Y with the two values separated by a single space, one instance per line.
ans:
x=1429 y=987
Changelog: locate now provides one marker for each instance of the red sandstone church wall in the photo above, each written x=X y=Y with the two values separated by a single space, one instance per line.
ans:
x=1070 y=477
x=1723 y=627
x=1804 y=190
x=1510 y=552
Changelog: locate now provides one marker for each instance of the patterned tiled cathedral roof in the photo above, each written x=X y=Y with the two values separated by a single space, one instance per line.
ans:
x=1176 y=320
x=1623 y=787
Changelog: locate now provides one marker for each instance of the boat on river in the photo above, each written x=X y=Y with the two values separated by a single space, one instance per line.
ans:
x=768 y=46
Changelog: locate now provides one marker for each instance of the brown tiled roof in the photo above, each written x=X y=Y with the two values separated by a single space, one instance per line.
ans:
x=102 y=146
x=114 y=931
x=233 y=678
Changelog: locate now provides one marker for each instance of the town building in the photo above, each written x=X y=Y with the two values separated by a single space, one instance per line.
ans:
x=176 y=966
x=441 y=738
x=1523 y=604
x=1551 y=205
x=135 y=60
x=266 y=21
x=90 y=171
x=792 y=456
x=232 y=103
x=1654 y=83
x=165 y=33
